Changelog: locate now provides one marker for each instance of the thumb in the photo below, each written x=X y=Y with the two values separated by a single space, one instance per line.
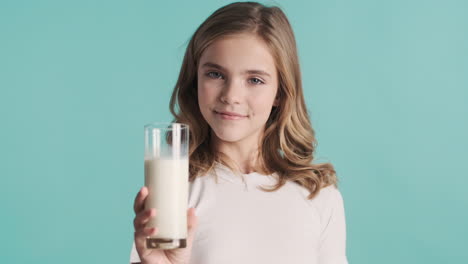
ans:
x=192 y=222
x=192 y=219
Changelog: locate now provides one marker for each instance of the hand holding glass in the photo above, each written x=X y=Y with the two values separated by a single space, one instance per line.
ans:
x=166 y=176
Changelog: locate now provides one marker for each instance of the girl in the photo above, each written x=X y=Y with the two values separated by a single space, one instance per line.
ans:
x=257 y=195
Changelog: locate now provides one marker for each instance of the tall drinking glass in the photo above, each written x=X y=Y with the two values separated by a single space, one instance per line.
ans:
x=166 y=176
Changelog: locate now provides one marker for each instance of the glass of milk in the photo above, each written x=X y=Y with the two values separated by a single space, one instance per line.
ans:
x=166 y=176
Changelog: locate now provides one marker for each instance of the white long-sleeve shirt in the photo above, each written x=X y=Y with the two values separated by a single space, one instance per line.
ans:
x=239 y=223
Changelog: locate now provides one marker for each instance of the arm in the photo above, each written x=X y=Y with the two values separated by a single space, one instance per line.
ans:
x=332 y=249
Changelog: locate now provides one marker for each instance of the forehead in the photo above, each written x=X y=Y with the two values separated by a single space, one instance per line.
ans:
x=239 y=52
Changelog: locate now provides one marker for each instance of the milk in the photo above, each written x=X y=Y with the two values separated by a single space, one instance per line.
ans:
x=167 y=181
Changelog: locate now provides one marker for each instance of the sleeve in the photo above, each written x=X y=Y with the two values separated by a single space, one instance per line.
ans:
x=332 y=248
x=134 y=257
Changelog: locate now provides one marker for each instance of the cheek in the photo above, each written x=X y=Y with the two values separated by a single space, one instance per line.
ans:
x=206 y=98
x=206 y=94
x=262 y=104
x=200 y=94
x=262 y=109
x=201 y=90
x=201 y=97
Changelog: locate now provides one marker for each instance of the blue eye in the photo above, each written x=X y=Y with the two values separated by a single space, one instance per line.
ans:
x=214 y=75
x=256 y=81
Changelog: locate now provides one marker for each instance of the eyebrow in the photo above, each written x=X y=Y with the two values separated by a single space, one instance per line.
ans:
x=217 y=66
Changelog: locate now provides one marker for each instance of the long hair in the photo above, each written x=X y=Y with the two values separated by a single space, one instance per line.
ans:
x=288 y=142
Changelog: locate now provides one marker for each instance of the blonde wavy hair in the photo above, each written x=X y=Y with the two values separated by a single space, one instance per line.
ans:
x=288 y=142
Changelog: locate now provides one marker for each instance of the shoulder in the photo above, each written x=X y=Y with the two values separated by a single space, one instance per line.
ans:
x=328 y=198
x=330 y=192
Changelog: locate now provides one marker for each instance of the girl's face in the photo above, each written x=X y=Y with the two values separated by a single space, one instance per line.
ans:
x=237 y=87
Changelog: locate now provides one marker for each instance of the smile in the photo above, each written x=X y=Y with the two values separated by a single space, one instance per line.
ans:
x=229 y=115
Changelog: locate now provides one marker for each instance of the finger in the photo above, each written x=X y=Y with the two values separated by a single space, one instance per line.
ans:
x=143 y=217
x=141 y=235
x=139 y=203
x=192 y=220
x=145 y=232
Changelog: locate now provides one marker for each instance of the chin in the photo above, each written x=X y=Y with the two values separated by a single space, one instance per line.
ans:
x=231 y=135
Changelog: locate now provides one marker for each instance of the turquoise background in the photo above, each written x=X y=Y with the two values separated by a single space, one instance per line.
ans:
x=386 y=83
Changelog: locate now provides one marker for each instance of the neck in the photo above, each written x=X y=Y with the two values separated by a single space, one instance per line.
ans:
x=243 y=153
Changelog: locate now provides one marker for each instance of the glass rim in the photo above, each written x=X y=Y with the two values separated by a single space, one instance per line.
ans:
x=165 y=125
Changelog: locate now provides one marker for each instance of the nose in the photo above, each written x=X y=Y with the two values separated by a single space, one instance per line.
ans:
x=231 y=92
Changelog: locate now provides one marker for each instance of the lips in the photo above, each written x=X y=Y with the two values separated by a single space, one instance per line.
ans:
x=230 y=115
